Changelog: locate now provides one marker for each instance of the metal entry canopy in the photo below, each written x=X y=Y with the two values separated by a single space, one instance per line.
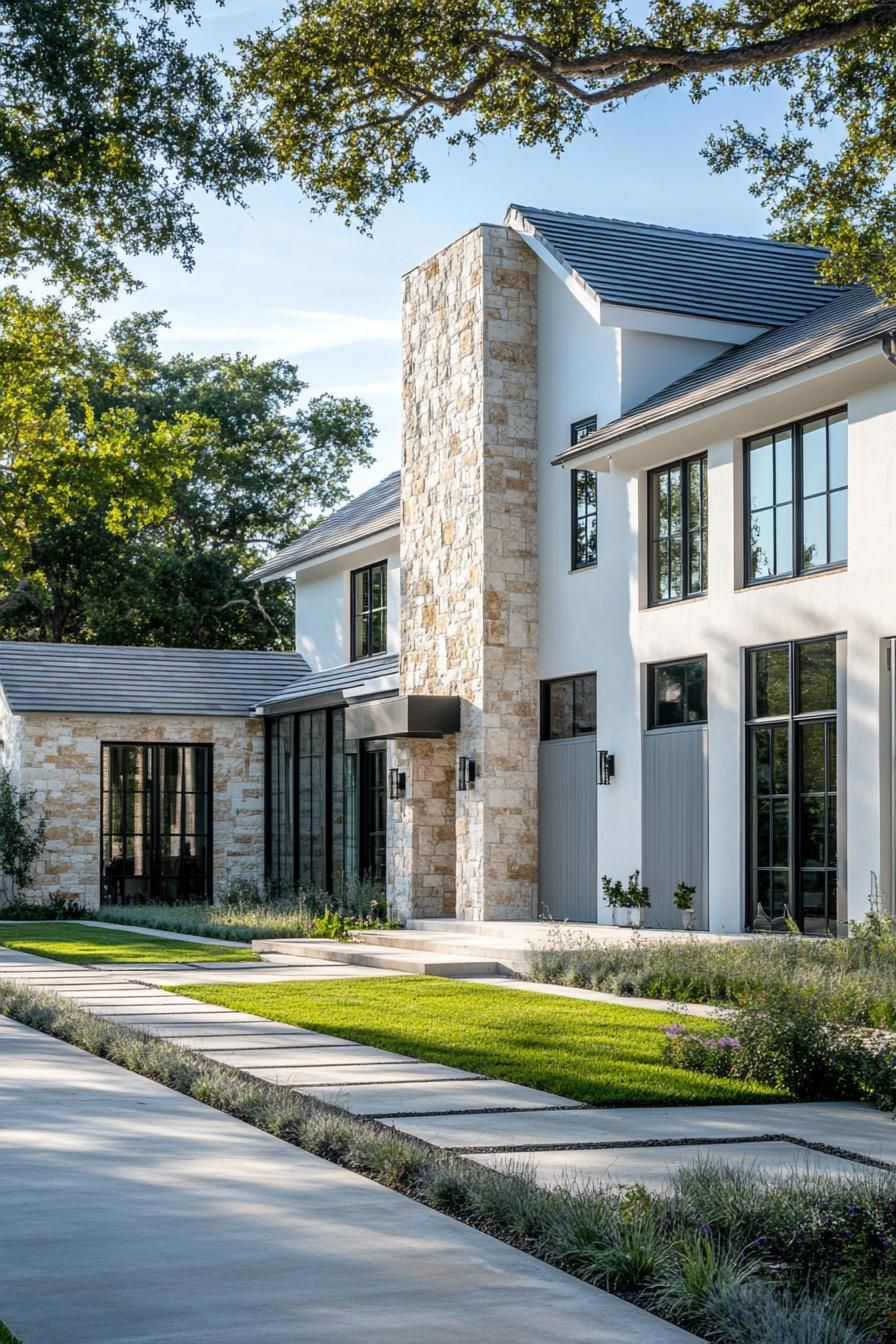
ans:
x=404 y=716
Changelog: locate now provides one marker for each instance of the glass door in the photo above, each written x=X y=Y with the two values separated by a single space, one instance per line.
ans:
x=373 y=812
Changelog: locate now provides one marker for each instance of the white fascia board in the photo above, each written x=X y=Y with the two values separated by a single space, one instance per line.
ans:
x=644 y=447
x=680 y=324
x=570 y=279
x=336 y=555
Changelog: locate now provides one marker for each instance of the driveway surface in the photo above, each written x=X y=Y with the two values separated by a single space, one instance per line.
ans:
x=135 y=1215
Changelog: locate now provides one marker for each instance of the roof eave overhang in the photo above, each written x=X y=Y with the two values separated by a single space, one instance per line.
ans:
x=328 y=555
x=624 y=446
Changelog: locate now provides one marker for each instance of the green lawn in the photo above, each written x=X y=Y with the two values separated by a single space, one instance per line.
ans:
x=593 y=1052
x=85 y=943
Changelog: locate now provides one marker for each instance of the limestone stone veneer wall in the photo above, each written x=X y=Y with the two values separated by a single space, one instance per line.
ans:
x=58 y=755
x=469 y=604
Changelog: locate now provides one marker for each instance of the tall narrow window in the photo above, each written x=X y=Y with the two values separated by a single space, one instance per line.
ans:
x=796 y=497
x=369 y=617
x=584 y=519
x=677 y=508
x=792 y=786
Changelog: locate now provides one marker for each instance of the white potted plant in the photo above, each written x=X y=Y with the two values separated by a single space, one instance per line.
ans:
x=683 y=898
x=636 y=899
x=614 y=895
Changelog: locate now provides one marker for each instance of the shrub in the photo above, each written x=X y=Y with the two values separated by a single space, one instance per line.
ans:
x=753 y=1313
x=58 y=905
x=22 y=836
x=701 y=1052
x=698 y=1275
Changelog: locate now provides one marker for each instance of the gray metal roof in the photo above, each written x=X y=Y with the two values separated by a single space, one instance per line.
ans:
x=752 y=280
x=854 y=319
x=331 y=682
x=88 y=678
x=376 y=510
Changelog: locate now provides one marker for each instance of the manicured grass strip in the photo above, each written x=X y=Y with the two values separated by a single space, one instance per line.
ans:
x=592 y=1052
x=86 y=944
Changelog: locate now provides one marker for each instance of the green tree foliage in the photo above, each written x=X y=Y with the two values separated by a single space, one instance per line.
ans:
x=22 y=835
x=108 y=122
x=349 y=91
x=256 y=469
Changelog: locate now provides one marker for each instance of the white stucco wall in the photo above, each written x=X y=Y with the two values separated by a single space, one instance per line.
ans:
x=323 y=602
x=598 y=620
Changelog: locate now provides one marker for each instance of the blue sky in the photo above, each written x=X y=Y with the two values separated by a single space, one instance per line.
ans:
x=275 y=281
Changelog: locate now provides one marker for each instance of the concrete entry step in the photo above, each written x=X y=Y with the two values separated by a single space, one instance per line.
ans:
x=511 y=957
x=411 y=961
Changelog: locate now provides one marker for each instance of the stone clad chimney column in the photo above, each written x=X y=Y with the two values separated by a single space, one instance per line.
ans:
x=469 y=603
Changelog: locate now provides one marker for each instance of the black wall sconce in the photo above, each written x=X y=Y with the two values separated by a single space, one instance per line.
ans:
x=466 y=773
x=398 y=784
x=606 y=767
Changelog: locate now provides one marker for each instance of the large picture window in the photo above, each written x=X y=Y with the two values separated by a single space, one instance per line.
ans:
x=156 y=841
x=569 y=707
x=792 y=720
x=796 y=498
x=677 y=509
x=369 y=615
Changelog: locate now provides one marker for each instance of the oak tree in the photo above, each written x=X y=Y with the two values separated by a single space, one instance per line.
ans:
x=348 y=93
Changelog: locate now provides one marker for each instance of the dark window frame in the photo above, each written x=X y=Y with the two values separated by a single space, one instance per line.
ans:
x=368 y=616
x=797 y=570
x=330 y=867
x=154 y=749
x=688 y=530
x=583 y=517
x=653 y=724
x=791 y=723
x=545 y=726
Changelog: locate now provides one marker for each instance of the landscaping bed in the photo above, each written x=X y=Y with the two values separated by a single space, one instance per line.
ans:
x=592 y=1052
x=87 y=945
x=853 y=978
x=729 y=1255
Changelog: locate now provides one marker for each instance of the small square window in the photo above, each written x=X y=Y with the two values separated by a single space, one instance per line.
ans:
x=569 y=707
x=677 y=693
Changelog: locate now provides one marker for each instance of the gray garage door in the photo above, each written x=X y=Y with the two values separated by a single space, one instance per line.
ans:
x=674 y=841
x=567 y=828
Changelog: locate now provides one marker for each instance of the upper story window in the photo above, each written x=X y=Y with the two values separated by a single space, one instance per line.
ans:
x=677 y=693
x=677 y=509
x=569 y=707
x=584 y=519
x=369 y=625
x=584 y=502
x=795 y=481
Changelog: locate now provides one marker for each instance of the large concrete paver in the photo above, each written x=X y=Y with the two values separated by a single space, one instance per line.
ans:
x=134 y=1215
x=654 y=1167
x=298 y=1056
x=338 y=1075
x=846 y=1125
x=468 y=1094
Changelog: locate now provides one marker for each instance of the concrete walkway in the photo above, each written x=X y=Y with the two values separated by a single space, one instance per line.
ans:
x=491 y=1121
x=134 y=1215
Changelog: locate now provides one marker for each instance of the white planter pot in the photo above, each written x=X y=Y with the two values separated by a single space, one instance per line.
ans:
x=687 y=920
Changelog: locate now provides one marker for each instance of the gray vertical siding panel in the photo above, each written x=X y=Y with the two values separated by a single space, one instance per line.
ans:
x=673 y=845
x=567 y=829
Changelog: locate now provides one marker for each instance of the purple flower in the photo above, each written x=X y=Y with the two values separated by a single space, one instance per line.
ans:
x=676 y=1029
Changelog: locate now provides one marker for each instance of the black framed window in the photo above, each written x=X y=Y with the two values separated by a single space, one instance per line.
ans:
x=311 y=800
x=677 y=693
x=369 y=610
x=569 y=707
x=156 y=833
x=792 y=729
x=795 y=481
x=584 y=519
x=677 y=509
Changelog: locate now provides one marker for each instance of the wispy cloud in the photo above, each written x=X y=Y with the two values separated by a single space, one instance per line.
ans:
x=290 y=331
